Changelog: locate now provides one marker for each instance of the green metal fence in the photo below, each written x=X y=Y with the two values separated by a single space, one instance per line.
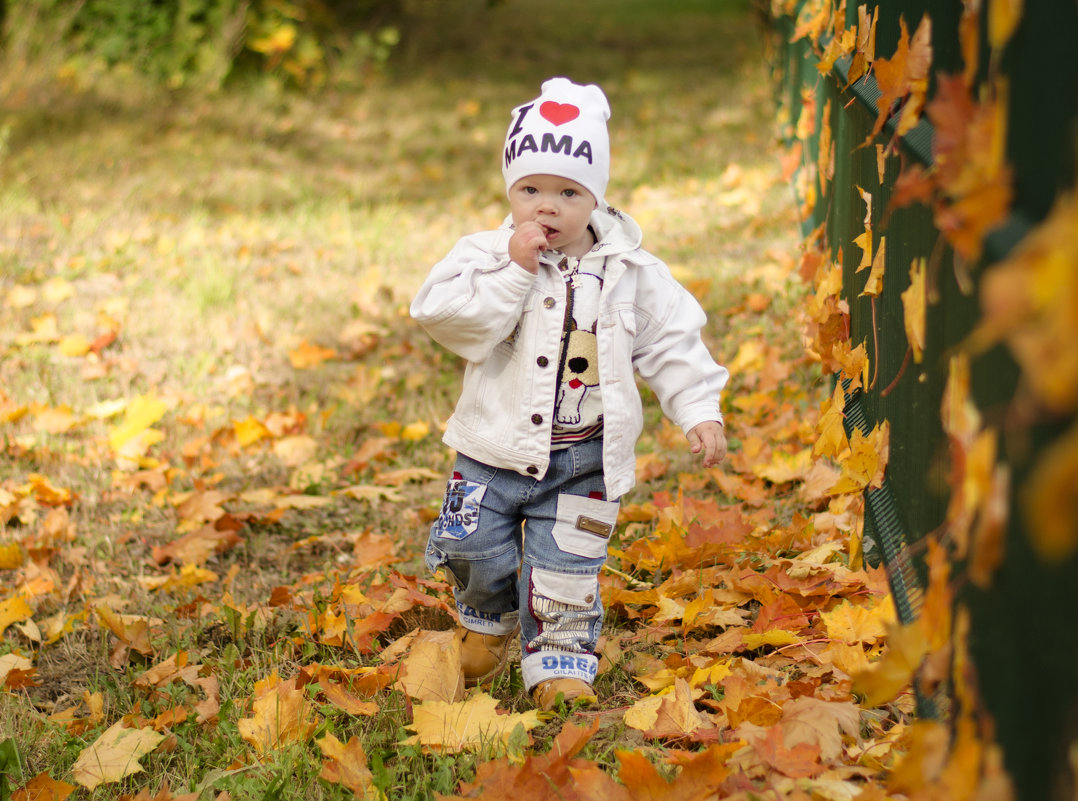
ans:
x=1023 y=638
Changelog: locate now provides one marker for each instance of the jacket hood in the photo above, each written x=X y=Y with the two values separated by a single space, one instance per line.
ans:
x=616 y=231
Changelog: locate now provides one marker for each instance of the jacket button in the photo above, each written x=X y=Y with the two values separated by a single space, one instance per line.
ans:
x=533 y=470
x=537 y=418
x=589 y=599
x=549 y=303
x=542 y=361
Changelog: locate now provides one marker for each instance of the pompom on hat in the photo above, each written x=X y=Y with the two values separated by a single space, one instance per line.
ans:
x=562 y=132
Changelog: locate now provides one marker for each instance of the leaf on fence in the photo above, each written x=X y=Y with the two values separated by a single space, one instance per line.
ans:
x=914 y=301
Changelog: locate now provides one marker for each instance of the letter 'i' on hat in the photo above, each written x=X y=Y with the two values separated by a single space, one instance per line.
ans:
x=562 y=132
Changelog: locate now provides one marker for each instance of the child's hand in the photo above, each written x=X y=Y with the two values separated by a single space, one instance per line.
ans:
x=525 y=245
x=709 y=437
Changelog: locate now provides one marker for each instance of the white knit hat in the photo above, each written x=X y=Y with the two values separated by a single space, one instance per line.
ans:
x=562 y=132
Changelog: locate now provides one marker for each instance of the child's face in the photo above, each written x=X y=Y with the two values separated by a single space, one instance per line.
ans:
x=560 y=206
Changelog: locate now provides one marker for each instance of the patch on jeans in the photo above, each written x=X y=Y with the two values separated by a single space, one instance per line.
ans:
x=460 y=509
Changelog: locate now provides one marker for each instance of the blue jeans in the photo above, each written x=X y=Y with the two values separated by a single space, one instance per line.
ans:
x=527 y=551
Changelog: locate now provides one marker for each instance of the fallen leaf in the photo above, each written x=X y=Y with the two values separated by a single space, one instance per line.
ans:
x=671 y=715
x=347 y=765
x=307 y=356
x=114 y=755
x=431 y=671
x=12 y=610
x=139 y=415
x=43 y=788
x=281 y=716
x=470 y=725
x=906 y=648
x=800 y=761
x=821 y=723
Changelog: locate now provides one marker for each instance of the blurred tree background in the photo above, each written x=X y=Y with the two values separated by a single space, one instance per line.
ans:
x=198 y=44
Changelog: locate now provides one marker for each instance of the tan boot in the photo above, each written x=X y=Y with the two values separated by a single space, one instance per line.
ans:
x=482 y=656
x=546 y=693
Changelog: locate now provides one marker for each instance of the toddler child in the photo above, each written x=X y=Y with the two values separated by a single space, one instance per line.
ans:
x=553 y=312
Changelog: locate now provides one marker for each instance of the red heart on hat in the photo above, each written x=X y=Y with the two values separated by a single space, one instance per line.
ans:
x=558 y=113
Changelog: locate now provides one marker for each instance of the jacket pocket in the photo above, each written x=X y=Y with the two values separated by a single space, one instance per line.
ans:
x=582 y=526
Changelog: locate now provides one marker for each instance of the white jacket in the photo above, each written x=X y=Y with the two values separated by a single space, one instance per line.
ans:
x=507 y=324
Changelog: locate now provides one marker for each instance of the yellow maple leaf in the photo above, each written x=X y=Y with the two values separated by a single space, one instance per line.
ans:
x=786 y=467
x=914 y=301
x=874 y=283
x=413 y=432
x=431 y=671
x=672 y=713
x=854 y=623
x=12 y=610
x=113 y=755
x=866 y=462
x=11 y=556
x=140 y=414
x=249 y=431
x=830 y=432
x=282 y=715
x=864 y=241
x=74 y=345
x=471 y=725
x=906 y=648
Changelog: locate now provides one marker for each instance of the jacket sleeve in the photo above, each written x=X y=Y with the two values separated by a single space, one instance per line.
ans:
x=473 y=298
x=671 y=356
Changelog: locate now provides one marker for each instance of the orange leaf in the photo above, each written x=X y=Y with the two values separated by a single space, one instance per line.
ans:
x=307 y=356
x=800 y=761
x=904 y=74
x=338 y=695
x=132 y=630
x=551 y=774
x=43 y=788
x=821 y=723
x=700 y=777
x=347 y=765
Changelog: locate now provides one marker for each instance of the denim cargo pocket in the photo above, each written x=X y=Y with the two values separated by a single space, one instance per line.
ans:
x=460 y=510
x=583 y=526
x=571 y=589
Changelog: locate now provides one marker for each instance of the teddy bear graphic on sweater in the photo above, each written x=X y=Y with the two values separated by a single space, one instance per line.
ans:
x=580 y=368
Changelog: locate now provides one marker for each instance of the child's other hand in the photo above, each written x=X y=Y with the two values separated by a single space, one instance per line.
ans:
x=525 y=245
x=709 y=437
